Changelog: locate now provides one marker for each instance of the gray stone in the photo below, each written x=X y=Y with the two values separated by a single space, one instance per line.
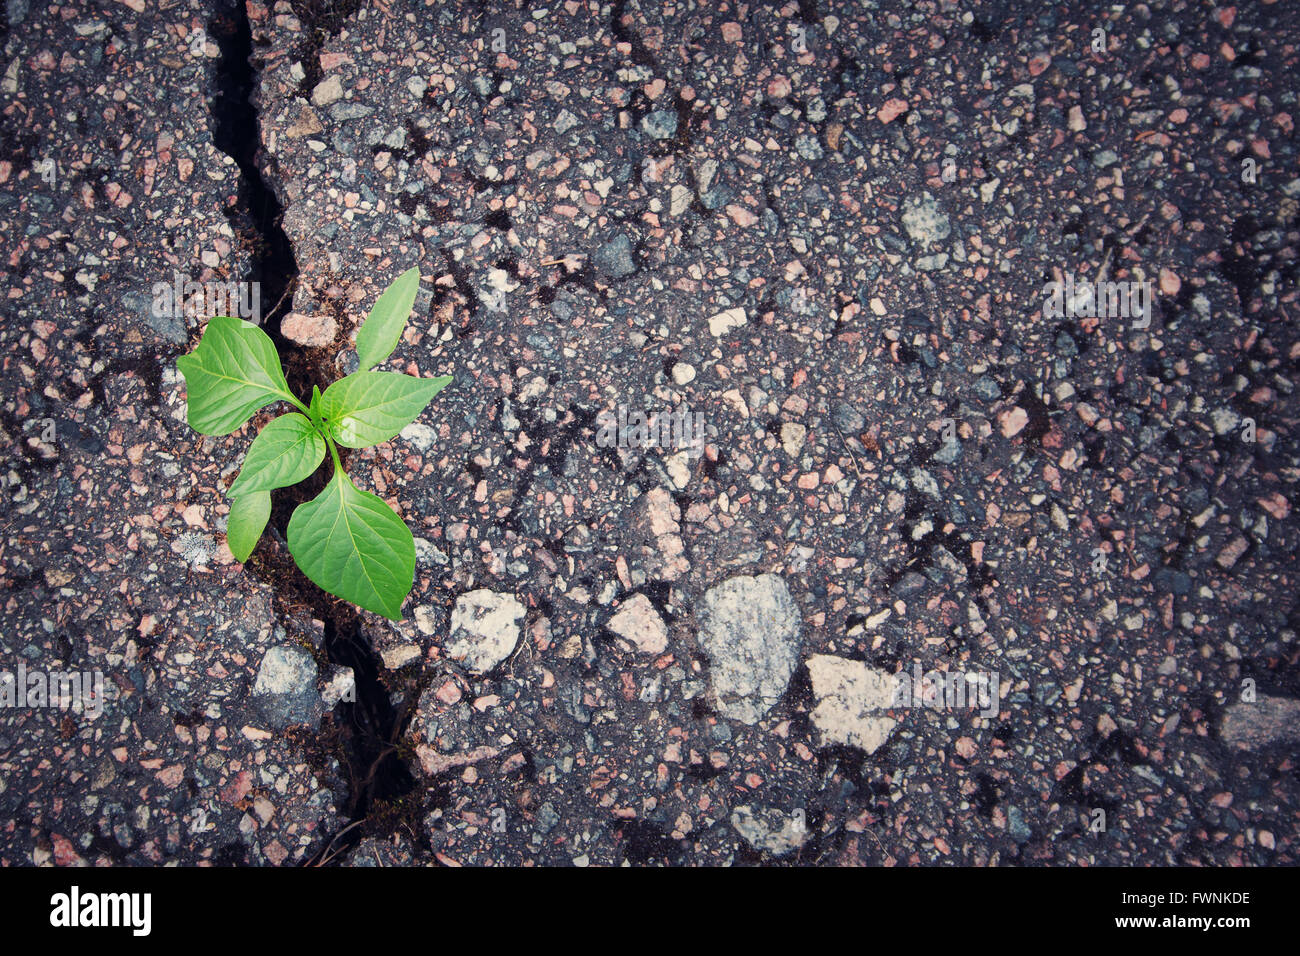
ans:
x=924 y=221
x=808 y=147
x=986 y=387
x=170 y=325
x=1017 y=827
x=285 y=688
x=565 y=122
x=349 y=111
x=948 y=452
x=614 y=258
x=661 y=124
x=750 y=629
x=848 y=419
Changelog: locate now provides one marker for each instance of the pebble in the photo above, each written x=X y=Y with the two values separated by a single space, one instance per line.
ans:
x=640 y=626
x=315 y=330
x=660 y=124
x=726 y=321
x=769 y=829
x=327 y=91
x=924 y=221
x=614 y=258
x=1012 y=421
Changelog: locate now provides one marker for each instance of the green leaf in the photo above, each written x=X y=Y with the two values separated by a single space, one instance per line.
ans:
x=247 y=519
x=314 y=409
x=382 y=330
x=367 y=408
x=352 y=544
x=232 y=373
x=284 y=453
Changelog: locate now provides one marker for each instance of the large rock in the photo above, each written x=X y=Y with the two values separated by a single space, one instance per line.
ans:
x=285 y=689
x=850 y=697
x=750 y=629
x=484 y=629
x=1261 y=723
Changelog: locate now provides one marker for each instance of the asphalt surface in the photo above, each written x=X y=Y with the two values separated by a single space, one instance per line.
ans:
x=826 y=231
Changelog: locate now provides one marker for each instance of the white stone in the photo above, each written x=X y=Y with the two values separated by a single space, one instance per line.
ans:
x=724 y=322
x=849 y=699
x=771 y=830
x=484 y=629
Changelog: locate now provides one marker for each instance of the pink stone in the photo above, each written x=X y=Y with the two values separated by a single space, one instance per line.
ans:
x=892 y=110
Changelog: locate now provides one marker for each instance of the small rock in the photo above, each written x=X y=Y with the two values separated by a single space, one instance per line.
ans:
x=848 y=419
x=1013 y=421
x=924 y=221
x=1224 y=420
x=679 y=201
x=341 y=687
x=285 y=688
x=1266 y=720
x=1169 y=282
x=891 y=109
x=661 y=124
x=769 y=829
x=1016 y=825
x=484 y=629
x=724 y=322
x=614 y=258
x=640 y=626
x=565 y=122
x=327 y=91
x=808 y=147
x=316 y=330
x=683 y=374
x=792 y=437
x=420 y=435
x=1232 y=552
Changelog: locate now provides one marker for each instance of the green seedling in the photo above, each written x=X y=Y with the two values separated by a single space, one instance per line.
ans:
x=346 y=540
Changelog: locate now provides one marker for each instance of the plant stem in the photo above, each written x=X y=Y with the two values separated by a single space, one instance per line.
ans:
x=300 y=406
x=334 y=453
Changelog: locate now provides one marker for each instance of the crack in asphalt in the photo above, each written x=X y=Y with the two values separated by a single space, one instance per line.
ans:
x=370 y=728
